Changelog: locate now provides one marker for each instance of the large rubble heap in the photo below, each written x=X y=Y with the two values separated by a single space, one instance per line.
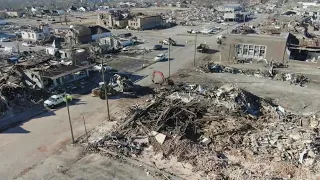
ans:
x=296 y=79
x=217 y=130
x=15 y=94
x=198 y=14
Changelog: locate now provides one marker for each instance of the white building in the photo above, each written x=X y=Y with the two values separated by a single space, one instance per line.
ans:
x=36 y=34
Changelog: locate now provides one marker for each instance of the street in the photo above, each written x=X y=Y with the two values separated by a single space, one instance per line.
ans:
x=26 y=145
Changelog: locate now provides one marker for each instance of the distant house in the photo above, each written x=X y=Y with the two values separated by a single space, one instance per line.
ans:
x=18 y=13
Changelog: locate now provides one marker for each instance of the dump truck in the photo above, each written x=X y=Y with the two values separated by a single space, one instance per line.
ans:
x=203 y=48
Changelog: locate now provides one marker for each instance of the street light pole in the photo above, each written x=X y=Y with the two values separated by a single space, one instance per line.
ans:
x=105 y=89
x=169 y=59
x=67 y=103
x=195 y=50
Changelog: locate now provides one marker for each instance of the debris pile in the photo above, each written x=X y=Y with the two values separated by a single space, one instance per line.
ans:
x=296 y=79
x=15 y=91
x=209 y=127
x=243 y=29
x=198 y=14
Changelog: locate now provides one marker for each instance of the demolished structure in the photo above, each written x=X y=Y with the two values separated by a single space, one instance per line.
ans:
x=224 y=132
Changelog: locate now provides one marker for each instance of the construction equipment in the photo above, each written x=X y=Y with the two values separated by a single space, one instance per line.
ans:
x=165 y=81
x=219 y=39
x=123 y=83
x=203 y=48
x=168 y=41
x=99 y=91
x=117 y=83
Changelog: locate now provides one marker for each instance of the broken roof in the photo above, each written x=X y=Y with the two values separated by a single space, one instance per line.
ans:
x=98 y=29
x=81 y=30
x=60 y=71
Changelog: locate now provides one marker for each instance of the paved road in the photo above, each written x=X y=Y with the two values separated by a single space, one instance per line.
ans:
x=24 y=146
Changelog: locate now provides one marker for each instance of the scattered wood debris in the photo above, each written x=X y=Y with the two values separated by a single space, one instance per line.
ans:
x=296 y=79
x=208 y=127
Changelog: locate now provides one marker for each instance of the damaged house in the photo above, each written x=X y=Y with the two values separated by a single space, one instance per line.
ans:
x=113 y=19
x=36 y=34
x=50 y=72
x=237 y=46
x=81 y=34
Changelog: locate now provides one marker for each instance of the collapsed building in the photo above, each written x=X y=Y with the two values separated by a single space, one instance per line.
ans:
x=113 y=19
x=81 y=34
x=224 y=132
x=119 y=19
x=36 y=34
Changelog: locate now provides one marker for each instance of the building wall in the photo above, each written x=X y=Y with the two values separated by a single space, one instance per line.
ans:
x=121 y=23
x=107 y=21
x=256 y=47
x=32 y=36
x=147 y=22
x=3 y=14
x=229 y=16
x=72 y=39
x=314 y=55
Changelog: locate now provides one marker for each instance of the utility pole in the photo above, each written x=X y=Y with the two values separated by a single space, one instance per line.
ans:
x=169 y=57
x=105 y=89
x=195 y=50
x=67 y=103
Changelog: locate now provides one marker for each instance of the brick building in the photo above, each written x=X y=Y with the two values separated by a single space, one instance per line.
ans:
x=145 y=22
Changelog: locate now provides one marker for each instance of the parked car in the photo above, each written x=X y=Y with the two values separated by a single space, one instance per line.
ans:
x=27 y=44
x=157 y=47
x=125 y=49
x=4 y=39
x=160 y=57
x=56 y=100
x=99 y=67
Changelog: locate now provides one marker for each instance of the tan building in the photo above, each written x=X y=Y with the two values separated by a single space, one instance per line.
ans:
x=78 y=34
x=236 y=46
x=145 y=22
x=108 y=20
